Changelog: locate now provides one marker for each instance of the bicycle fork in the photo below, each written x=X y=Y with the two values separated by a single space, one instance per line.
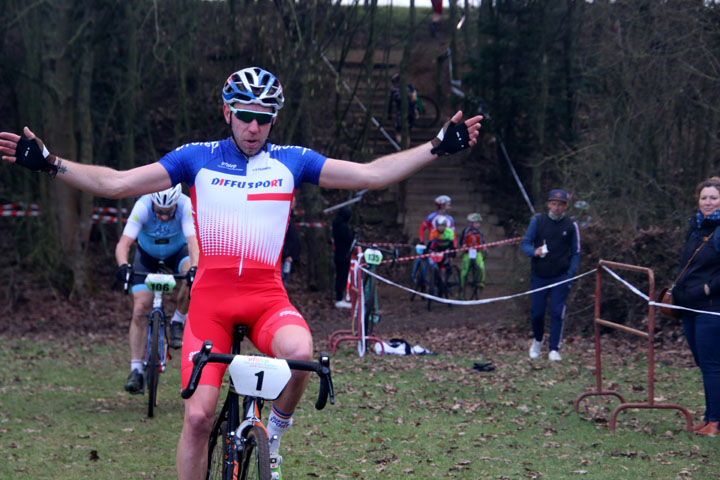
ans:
x=162 y=344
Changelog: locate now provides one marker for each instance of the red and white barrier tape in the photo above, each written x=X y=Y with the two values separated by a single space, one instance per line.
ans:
x=310 y=224
x=19 y=213
x=105 y=219
x=508 y=241
x=111 y=210
x=19 y=206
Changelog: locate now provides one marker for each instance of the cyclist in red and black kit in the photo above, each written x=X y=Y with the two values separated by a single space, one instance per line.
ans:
x=241 y=190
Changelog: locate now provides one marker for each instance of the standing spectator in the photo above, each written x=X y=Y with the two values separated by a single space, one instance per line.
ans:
x=396 y=101
x=343 y=239
x=698 y=287
x=552 y=241
x=291 y=247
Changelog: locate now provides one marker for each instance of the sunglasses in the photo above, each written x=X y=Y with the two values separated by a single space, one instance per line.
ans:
x=169 y=212
x=247 y=116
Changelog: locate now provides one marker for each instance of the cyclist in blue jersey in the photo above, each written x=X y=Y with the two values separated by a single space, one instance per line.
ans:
x=241 y=188
x=162 y=224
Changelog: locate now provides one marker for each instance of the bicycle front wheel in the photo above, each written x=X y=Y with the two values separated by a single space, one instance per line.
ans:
x=371 y=305
x=152 y=371
x=472 y=282
x=429 y=114
x=452 y=282
x=255 y=461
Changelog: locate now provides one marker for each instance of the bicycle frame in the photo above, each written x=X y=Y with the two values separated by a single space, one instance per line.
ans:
x=247 y=428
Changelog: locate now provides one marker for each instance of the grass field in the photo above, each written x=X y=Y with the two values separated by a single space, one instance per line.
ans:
x=63 y=415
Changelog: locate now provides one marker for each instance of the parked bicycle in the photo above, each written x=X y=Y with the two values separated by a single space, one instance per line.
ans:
x=238 y=447
x=444 y=277
x=156 y=346
x=372 y=256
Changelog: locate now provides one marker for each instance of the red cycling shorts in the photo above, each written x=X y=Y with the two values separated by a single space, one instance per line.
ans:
x=220 y=300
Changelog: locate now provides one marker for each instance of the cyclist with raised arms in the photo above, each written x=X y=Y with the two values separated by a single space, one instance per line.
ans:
x=241 y=189
x=162 y=224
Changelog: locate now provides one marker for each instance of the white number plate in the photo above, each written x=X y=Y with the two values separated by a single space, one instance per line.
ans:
x=160 y=282
x=472 y=253
x=372 y=256
x=262 y=377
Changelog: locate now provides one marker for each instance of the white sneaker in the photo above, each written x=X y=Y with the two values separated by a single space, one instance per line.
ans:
x=554 y=356
x=535 y=348
x=343 y=304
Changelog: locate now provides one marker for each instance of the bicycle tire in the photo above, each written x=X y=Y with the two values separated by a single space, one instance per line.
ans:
x=255 y=459
x=219 y=448
x=371 y=305
x=452 y=282
x=417 y=279
x=152 y=371
x=472 y=282
x=434 y=286
x=430 y=113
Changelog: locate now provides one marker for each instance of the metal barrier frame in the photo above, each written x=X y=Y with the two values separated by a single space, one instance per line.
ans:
x=649 y=335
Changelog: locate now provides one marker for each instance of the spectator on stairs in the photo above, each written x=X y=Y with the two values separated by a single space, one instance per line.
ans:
x=396 y=102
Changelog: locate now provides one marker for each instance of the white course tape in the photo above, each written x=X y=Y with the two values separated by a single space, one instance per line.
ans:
x=652 y=302
x=473 y=302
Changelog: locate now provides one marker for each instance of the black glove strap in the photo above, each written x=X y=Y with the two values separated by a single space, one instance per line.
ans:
x=455 y=138
x=29 y=155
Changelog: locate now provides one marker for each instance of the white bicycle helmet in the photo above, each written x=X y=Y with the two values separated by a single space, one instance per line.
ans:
x=167 y=198
x=253 y=85
x=441 y=220
x=442 y=200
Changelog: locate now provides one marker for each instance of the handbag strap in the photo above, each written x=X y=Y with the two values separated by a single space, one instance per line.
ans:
x=705 y=240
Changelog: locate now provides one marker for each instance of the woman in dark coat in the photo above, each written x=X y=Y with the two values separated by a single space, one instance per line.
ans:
x=699 y=288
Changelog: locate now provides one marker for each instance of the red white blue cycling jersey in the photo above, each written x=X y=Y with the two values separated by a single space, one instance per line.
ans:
x=242 y=208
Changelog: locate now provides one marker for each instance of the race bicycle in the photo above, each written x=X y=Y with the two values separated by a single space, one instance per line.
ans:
x=444 y=277
x=238 y=448
x=373 y=256
x=156 y=345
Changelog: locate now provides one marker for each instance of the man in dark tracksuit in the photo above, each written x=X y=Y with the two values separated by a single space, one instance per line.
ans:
x=552 y=241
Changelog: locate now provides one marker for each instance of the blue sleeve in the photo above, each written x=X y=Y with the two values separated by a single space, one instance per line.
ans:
x=574 y=251
x=305 y=164
x=527 y=241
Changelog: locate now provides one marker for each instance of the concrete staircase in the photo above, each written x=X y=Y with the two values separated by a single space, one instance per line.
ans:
x=451 y=175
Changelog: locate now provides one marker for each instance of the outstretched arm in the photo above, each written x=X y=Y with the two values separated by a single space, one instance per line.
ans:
x=98 y=180
x=391 y=168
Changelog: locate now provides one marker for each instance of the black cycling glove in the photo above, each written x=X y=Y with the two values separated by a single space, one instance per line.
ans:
x=32 y=154
x=123 y=273
x=452 y=138
x=190 y=276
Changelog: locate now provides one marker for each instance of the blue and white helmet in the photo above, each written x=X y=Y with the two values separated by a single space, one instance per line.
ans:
x=253 y=85
x=167 y=198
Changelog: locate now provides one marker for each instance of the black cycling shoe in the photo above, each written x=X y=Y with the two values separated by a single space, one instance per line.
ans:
x=176 y=334
x=134 y=383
